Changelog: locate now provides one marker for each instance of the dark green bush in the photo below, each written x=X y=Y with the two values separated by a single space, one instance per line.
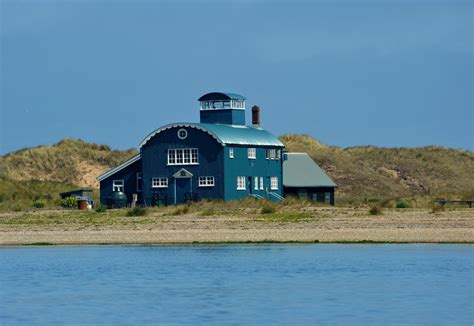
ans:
x=101 y=209
x=137 y=211
x=268 y=209
x=38 y=204
x=402 y=204
x=69 y=202
x=2 y=198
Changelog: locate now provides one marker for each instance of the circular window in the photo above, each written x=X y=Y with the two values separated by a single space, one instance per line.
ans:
x=182 y=133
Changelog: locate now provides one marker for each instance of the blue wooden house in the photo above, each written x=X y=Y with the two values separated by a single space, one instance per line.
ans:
x=218 y=158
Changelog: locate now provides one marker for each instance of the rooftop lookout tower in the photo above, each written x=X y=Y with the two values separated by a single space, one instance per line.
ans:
x=222 y=108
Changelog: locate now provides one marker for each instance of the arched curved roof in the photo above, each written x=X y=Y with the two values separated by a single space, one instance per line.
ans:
x=218 y=96
x=226 y=134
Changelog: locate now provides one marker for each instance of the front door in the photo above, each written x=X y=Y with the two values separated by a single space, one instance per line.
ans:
x=182 y=187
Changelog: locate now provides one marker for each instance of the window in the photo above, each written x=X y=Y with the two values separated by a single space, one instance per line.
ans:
x=117 y=185
x=182 y=134
x=139 y=182
x=231 y=152
x=273 y=154
x=261 y=183
x=183 y=156
x=327 y=197
x=255 y=181
x=206 y=181
x=252 y=153
x=241 y=183
x=274 y=183
x=303 y=194
x=159 y=182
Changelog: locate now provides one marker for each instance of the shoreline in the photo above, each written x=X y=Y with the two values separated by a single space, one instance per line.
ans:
x=313 y=225
x=223 y=243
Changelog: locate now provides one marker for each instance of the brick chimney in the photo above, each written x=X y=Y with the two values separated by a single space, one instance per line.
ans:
x=256 y=116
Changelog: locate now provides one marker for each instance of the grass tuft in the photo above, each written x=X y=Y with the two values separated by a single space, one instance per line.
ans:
x=375 y=210
x=268 y=208
x=137 y=211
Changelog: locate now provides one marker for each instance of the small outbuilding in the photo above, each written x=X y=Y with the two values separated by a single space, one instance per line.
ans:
x=78 y=193
x=303 y=178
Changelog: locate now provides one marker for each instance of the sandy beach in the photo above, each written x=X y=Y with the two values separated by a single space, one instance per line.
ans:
x=315 y=224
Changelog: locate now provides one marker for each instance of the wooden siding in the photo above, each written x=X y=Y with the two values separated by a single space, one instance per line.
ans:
x=223 y=116
x=241 y=165
x=312 y=193
x=155 y=164
x=129 y=177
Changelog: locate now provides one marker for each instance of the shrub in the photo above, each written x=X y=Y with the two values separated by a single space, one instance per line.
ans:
x=375 y=210
x=208 y=212
x=69 y=202
x=101 y=209
x=181 y=210
x=2 y=198
x=268 y=209
x=137 y=211
x=402 y=204
x=38 y=204
x=437 y=209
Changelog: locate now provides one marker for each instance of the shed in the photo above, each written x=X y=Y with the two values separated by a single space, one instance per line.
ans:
x=83 y=192
x=303 y=178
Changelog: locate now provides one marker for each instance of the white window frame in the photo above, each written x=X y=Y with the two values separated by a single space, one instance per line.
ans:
x=159 y=182
x=261 y=183
x=182 y=133
x=183 y=156
x=252 y=153
x=241 y=183
x=274 y=183
x=119 y=185
x=231 y=152
x=139 y=182
x=278 y=154
x=207 y=181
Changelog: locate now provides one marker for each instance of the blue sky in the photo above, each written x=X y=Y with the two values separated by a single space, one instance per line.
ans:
x=386 y=73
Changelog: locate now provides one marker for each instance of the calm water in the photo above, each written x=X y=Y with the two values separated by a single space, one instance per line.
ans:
x=237 y=284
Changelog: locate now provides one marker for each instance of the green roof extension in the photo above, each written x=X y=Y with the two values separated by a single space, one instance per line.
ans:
x=226 y=134
x=299 y=170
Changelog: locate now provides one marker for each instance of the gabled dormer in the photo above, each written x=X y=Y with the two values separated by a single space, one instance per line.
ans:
x=223 y=108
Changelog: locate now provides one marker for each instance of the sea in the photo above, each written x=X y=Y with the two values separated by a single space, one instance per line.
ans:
x=258 y=284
